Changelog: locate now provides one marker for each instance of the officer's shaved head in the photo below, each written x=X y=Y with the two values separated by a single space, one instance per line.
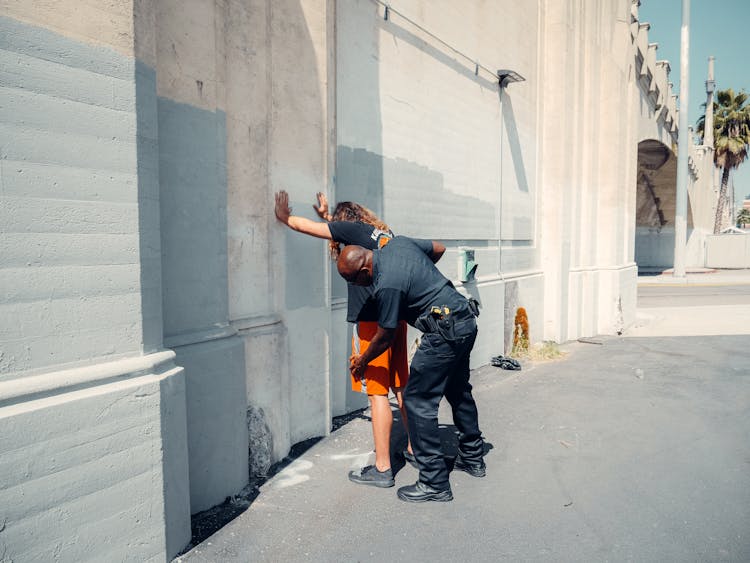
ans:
x=355 y=265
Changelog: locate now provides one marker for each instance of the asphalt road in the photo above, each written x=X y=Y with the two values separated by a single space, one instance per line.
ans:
x=693 y=295
x=709 y=305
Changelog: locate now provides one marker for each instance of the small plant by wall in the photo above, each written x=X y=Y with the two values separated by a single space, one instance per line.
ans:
x=520 y=333
x=522 y=349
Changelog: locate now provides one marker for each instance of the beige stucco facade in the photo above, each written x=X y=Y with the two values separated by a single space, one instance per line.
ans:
x=165 y=336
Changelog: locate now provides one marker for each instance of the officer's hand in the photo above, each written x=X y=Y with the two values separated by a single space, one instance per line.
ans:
x=356 y=365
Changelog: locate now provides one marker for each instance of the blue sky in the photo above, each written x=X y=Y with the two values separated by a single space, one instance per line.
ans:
x=717 y=27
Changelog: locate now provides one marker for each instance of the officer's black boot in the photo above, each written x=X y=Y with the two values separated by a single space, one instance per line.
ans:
x=419 y=492
x=475 y=468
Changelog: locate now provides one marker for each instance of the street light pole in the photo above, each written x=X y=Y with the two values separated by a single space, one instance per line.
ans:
x=680 y=214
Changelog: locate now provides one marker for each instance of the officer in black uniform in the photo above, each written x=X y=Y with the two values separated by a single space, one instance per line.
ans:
x=407 y=285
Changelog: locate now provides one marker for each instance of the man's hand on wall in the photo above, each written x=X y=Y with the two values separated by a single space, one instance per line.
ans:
x=322 y=208
x=282 y=209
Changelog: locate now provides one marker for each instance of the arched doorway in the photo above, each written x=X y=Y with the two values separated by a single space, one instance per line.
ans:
x=655 y=206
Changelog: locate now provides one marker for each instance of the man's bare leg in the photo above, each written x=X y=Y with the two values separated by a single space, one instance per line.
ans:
x=399 y=392
x=382 y=422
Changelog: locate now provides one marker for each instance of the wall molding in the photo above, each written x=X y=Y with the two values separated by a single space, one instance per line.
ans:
x=34 y=387
x=256 y=323
x=199 y=336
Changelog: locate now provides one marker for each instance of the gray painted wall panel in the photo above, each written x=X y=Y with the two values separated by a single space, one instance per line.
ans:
x=193 y=240
x=304 y=256
x=80 y=488
x=60 y=181
x=65 y=316
x=174 y=462
x=38 y=353
x=46 y=45
x=79 y=539
x=81 y=284
x=37 y=215
x=69 y=149
x=518 y=166
x=52 y=113
x=49 y=249
x=192 y=178
x=149 y=208
x=309 y=373
x=267 y=386
x=20 y=285
x=49 y=334
x=44 y=77
x=215 y=393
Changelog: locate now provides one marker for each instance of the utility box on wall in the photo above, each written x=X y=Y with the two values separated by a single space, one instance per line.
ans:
x=467 y=267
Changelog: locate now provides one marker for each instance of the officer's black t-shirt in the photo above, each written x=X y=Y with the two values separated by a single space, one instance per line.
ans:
x=359 y=307
x=407 y=284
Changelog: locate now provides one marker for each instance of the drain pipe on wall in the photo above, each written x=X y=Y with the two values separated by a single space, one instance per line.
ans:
x=680 y=219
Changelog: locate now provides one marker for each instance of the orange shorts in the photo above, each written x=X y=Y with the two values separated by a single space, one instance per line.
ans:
x=390 y=369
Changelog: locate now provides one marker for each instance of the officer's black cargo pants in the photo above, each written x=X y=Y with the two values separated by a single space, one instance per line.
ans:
x=441 y=368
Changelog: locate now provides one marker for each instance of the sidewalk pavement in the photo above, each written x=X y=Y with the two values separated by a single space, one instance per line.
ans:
x=635 y=449
x=693 y=308
x=694 y=276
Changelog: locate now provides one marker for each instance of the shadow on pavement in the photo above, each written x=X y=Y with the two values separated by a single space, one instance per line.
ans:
x=206 y=523
x=448 y=440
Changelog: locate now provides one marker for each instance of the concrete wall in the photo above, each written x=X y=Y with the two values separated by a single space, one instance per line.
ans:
x=589 y=163
x=279 y=122
x=438 y=150
x=728 y=251
x=92 y=411
x=190 y=63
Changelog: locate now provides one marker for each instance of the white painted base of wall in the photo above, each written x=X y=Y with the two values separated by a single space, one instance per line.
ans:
x=601 y=300
x=92 y=453
x=728 y=251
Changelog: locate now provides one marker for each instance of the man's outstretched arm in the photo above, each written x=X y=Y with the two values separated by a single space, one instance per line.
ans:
x=300 y=224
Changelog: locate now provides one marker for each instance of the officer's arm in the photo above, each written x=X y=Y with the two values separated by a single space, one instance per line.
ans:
x=300 y=224
x=379 y=344
x=437 y=251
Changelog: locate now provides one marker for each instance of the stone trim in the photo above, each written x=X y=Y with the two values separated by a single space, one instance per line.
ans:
x=34 y=387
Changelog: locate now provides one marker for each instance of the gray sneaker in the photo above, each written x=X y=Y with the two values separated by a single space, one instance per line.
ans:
x=369 y=475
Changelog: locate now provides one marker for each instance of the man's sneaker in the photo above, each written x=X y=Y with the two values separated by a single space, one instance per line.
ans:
x=410 y=458
x=473 y=468
x=419 y=492
x=369 y=475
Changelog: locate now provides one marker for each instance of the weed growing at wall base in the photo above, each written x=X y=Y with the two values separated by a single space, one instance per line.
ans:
x=541 y=352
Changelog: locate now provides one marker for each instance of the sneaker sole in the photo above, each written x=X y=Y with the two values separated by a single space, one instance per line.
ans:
x=444 y=496
x=379 y=484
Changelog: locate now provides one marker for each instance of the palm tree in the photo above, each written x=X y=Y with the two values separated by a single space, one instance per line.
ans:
x=743 y=217
x=731 y=140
